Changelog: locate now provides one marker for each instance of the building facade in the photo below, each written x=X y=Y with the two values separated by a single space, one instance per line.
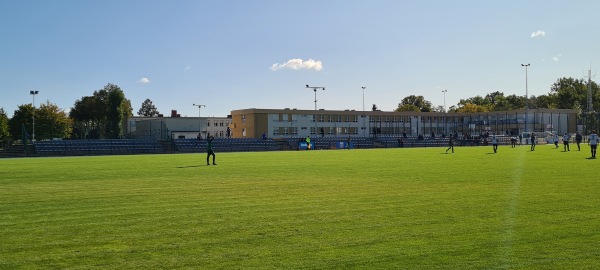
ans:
x=139 y=127
x=285 y=123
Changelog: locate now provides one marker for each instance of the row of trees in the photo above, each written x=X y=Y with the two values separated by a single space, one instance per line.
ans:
x=101 y=115
x=565 y=93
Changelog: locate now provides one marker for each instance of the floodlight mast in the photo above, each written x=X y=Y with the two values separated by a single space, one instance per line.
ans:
x=315 y=88
x=364 y=116
x=199 y=121
x=33 y=93
x=526 y=95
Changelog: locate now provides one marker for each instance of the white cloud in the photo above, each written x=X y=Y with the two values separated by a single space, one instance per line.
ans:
x=144 y=80
x=556 y=58
x=538 y=33
x=187 y=68
x=298 y=64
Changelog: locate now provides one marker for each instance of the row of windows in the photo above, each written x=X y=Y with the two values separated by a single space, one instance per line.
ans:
x=326 y=131
x=220 y=123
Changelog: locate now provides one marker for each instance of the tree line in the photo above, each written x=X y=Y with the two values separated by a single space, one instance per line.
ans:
x=565 y=93
x=103 y=114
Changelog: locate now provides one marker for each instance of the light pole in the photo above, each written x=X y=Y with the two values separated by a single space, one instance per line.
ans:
x=445 y=91
x=315 y=88
x=445 y=110
x=33 y=93
x=526 y=96
x=363 y=116
x=199 y=121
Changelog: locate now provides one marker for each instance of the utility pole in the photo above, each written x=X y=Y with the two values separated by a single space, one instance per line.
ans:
x=33 y=93
x=526 y=96
x=199 y=121
x=315 y=88
x=364 y=116
x=590 y=115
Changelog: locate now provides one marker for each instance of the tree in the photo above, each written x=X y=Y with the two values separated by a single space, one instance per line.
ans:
x=148 y=109
x=116 y=111
x=515 y=102
x=472 y=108
x=407 y=108
x=542 y=101
x=439 y=108
x=101 y=115
x=22 y=116
x=567 y=92
x=86 y=116
x=418 y=101
x=50 y=122
x=476 y=100
x=4 y=134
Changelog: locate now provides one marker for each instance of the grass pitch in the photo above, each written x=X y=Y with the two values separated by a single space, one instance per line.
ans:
x=414 y=208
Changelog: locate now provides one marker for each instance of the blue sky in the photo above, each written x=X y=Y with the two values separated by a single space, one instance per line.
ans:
x=237 y=54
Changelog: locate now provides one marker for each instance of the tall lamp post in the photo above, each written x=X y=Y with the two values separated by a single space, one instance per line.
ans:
x=445 y=91
x=199 y=121
x=33 y=93
x=445 y=111
x=315 y=88
x=526 y=96
x=364 y=116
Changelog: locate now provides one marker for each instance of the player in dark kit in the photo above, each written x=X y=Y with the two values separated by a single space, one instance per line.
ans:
x=450 y=144
x=533 y=142
x=578 y=139
x=209 y=150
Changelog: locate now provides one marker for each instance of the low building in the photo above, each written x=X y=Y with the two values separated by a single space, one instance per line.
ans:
x=140 y=127
x=285 y=123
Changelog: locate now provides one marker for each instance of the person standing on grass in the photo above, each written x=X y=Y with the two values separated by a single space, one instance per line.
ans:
x=520 y=139
x=209 y=150
x=450 y=144
x=555 y=139
x=566 y=139
x=593 y=141
x=495 y=143
x=308 y=142
x=578 y=139
x=533 y=142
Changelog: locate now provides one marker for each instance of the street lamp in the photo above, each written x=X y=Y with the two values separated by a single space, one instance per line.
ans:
x=526 y=96
x=363 y=116
x=33 y=93
x=445 y=91
x=315 y=88
x=199 y=121
x=445 y=110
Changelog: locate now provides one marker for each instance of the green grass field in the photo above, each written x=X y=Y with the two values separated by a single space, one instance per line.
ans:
x=412 y=208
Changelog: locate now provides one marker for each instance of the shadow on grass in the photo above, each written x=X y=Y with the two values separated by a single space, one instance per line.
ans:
x=185 y=167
